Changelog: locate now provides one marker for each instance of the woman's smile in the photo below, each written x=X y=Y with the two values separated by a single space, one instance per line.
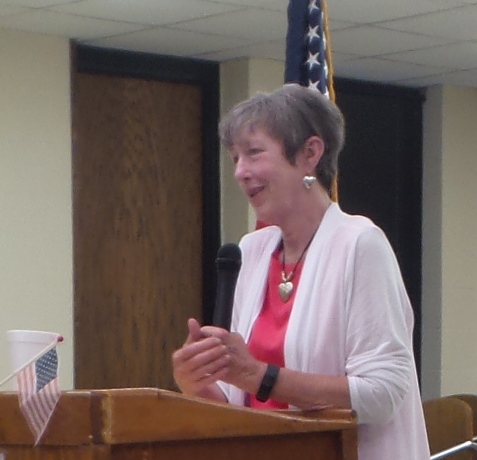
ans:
x=252 y=192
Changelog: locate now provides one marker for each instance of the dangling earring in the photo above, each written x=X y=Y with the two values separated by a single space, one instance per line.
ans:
x=308 y=181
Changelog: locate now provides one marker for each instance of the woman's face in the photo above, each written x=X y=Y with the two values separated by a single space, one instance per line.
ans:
x=267 y=179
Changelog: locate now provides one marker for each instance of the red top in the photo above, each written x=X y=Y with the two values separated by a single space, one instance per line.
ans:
x=268 y=333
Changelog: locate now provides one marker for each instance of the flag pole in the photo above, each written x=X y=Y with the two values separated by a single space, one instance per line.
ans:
x=329 y=60
x=36 y=357
x=331 y=88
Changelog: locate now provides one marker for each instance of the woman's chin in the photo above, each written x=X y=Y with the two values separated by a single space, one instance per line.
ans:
x=262 y=215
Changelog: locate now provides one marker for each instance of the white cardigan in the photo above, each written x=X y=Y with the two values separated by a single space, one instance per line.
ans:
x=351 y=316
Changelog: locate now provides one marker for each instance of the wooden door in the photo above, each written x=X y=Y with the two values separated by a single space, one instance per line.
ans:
x=137 y=195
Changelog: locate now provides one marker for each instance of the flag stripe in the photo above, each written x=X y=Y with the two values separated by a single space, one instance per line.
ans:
x=39 y=392
x=295 y=41
x=32 y=417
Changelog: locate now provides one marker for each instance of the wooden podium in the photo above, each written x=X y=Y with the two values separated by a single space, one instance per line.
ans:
x=150 y=424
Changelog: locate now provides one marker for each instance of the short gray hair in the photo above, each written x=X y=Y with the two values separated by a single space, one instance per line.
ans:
x=291 y=115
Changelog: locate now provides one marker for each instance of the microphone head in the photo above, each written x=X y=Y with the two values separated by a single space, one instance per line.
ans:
x=229 y=257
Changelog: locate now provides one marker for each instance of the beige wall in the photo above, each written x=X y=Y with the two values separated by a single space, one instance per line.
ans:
x=35 y=191
x=459 y=240
x=240 y=79
x=35 y=205
x=449 y=242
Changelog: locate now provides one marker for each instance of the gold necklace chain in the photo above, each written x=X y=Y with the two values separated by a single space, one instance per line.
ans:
x=285 y=288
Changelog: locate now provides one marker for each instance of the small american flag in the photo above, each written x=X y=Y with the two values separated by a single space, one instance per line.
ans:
x=39 y=391
x=308 y=57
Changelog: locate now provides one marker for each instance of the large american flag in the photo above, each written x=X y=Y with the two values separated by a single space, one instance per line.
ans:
x=39 y=391
x=308 y=52
x=308 y=56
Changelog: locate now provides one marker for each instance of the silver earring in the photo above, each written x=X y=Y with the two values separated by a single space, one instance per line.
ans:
x=308 y=181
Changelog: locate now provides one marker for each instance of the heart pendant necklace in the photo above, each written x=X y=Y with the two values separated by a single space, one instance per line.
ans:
x=285 y=288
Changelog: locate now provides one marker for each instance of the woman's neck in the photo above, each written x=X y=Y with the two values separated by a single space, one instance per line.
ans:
x=300 y=227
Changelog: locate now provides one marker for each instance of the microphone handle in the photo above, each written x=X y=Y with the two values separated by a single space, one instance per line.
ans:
x=226 y=281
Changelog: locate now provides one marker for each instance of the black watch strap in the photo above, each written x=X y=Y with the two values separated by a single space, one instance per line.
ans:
x=268 y=382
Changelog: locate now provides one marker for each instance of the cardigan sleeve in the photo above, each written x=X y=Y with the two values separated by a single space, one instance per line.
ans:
x=379 y=358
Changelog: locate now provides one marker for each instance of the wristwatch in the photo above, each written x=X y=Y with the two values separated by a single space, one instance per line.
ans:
x=268 y=382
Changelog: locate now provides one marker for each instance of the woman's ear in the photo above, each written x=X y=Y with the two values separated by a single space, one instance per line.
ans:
x=313 y=151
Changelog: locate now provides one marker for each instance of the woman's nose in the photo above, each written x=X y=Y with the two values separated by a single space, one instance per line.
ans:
x=241 y=169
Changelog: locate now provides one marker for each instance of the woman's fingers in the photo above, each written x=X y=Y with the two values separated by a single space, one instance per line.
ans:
x=199 y=354
x=213 y=331
x=195 y=333
x=200 y=361
x=217 y=374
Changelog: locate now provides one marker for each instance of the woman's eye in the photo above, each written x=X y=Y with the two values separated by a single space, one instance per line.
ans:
x=254 y=150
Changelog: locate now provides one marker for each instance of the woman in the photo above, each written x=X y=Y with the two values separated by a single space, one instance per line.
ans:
x=321 y=316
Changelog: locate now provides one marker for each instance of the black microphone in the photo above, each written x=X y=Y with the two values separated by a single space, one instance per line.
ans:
x=228 y=262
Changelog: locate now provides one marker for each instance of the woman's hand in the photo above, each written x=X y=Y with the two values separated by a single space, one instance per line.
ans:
x=199 y=363
x=243 y=370
x=306 y=391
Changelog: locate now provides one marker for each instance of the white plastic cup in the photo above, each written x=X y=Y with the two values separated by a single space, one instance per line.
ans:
x=24 y=345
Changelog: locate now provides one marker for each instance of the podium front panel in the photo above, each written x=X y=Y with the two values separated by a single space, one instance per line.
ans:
x=149 y=424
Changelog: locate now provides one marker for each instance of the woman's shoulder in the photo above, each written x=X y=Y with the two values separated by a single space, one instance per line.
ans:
x=353 y=228
x=357 y=238
x=353 y=222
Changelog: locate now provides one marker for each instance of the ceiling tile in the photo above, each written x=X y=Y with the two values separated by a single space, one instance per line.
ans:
x=465 y=78
x=51 y=23
x=457 y=56
x=339 y=25
x=408 y=35
x=373 y=41
x=368 y=11
x=273 y=50
x=6 y=10
x=456 y=24
x=279 y=5
x=170 y=42
x=225 y=55
x=370 y=68
x=35 y=3
x=152 y=12
x=256 y=24
x=340 y=58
